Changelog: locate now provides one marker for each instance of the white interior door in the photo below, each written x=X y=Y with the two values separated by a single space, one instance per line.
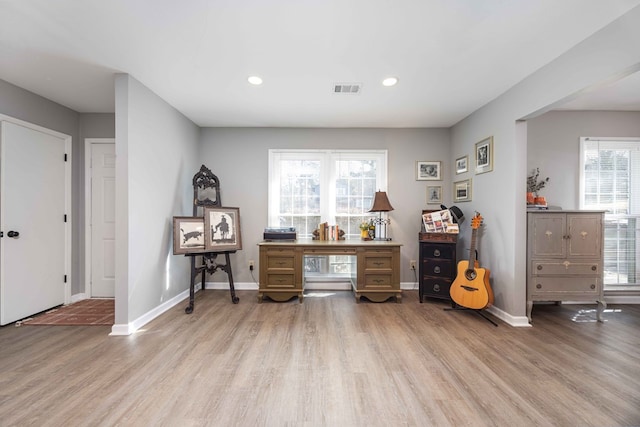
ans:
x=103 y=221
x=32 y=192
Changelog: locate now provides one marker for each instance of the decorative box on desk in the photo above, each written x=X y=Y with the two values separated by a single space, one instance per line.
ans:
x=437 y=268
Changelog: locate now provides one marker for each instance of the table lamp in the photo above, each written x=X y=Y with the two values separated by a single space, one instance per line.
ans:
x=381 y=204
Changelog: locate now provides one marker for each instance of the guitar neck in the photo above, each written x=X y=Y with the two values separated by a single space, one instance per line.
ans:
x=472 y=249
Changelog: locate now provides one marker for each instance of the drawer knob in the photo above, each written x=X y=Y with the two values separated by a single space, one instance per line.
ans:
x=594 y=268
x=378 y=263
x=436 y=288
x=538 y=286
x=593 y=286
x=436 y=252
x=436 y=269
x=539 y=267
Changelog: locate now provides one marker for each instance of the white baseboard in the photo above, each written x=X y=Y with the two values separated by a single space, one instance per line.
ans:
x=239 y=286
x=131 y=327
x=78 y=297
x=515 y=321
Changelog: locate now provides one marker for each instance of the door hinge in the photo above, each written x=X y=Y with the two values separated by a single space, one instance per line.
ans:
x=65 y=278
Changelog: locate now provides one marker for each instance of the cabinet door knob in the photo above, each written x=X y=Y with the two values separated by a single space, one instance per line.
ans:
x=539 y=267
x=436 y=252
x=593 y=286
x=594 y=268
x=538 y=286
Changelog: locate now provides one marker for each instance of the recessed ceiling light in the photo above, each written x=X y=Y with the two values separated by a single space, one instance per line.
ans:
x=255 y=80
x=390 y=81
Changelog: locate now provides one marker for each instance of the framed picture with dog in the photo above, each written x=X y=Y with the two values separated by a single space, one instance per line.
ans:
x=188 y=235
x=222 y=229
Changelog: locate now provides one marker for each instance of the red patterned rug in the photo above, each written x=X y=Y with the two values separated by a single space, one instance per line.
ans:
x=82 y=313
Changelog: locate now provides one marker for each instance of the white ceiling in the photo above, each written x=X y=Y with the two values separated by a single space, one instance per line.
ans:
x=451 y=56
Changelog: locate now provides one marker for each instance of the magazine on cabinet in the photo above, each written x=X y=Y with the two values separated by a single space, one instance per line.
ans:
x=439 y=222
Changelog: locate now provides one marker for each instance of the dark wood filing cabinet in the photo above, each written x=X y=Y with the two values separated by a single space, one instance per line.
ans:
x=437 y=266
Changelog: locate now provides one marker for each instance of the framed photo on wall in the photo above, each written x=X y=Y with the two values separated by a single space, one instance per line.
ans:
x=462 y=164
x=222 y=229
x=428 y=170
x=462 y=191
x=188 y=234
x=434 y=194
x=484 y=155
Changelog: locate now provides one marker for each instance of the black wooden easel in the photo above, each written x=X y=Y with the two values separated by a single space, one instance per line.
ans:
x=206 y=193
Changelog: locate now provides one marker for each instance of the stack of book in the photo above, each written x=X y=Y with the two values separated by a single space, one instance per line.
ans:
x=328 y=232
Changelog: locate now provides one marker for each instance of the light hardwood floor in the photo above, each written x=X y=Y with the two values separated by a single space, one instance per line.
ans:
x=327 y=362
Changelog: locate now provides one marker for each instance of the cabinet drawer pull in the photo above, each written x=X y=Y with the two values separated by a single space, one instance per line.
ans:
x=594 y=268
x=378 y=263
x=538 y=286
x=436 y=269
x=593 y=286
x=436 y=252
x=539 y=267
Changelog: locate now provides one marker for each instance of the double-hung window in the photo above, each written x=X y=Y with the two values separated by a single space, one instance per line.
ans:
x=308 y=187
x=610 y=180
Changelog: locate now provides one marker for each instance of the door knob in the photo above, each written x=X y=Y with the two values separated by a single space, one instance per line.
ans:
x=13 y=234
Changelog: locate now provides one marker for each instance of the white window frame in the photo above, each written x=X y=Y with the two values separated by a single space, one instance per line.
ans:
x=634 y=203
x=328 y=176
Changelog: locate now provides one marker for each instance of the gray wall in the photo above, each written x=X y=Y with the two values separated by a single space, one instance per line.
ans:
x=239 y=157
x=156 y=156
x=554 y=146
x=613 y=52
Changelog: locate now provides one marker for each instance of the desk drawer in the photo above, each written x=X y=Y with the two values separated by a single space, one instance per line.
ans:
x=279 y=252
x=378 y=262
x=330 y=251
x=280 y=281
x=274 y=262
x=378 y=281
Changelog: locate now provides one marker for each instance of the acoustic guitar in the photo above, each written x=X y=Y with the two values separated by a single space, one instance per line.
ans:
x=471 y=288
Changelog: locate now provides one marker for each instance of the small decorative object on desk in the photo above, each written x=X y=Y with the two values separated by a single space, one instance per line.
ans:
x=364 y=230
x=534 y=185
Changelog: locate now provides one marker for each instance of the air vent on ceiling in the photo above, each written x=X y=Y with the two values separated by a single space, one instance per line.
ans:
x=348 y=88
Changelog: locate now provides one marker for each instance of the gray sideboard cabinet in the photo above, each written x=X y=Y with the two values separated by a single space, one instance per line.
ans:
x=565 y=257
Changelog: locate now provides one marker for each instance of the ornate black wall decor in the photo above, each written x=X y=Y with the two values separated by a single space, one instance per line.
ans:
x=205 y=186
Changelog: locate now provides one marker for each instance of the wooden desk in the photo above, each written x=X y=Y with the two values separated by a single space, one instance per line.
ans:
x=282 y=272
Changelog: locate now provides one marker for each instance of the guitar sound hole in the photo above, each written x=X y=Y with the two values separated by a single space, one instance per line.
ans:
x=470 y=274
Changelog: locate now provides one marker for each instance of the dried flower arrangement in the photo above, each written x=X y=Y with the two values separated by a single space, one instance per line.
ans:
x=533 y=184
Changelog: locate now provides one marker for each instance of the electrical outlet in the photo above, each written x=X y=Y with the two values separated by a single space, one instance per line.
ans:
x=412 y=264
x=250 y=265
